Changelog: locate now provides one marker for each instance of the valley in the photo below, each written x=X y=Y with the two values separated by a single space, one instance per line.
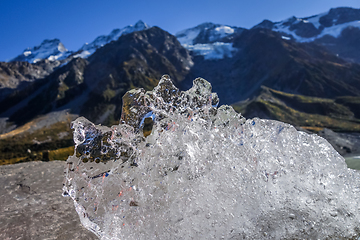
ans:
x=303 y=71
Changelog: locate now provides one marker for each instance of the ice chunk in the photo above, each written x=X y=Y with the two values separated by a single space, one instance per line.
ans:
x=204 y=172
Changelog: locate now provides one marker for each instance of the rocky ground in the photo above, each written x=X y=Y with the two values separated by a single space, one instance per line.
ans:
x=31 y=204
x=347 y=144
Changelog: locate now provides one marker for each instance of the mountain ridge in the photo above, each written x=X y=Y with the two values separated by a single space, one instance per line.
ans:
x=239 y=63
x=53 y=49
x=207 y=38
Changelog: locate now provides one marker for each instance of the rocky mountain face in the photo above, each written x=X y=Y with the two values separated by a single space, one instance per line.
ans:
x=346 y=45
x=336 y=30
x=207 y=33
x=91 y=87
x=53 y=49
x=138 y=59
x=213 y=41
x=26 y=72
x=94 y=87
x=263 y=57
x=22 y=76
x=89 y=48
x=317 y=26
x=49 y=49
x=253 y=69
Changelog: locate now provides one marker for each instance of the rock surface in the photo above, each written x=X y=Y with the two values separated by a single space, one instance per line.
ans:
x=31 y=204
x=345 y=143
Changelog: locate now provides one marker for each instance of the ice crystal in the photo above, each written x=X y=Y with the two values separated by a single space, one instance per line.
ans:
x=179 y=167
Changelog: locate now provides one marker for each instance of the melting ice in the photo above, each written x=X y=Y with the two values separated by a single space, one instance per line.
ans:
x=179 y=167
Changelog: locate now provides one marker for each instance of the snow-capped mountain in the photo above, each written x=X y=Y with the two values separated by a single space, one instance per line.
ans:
x=89 y=48
x=55 y=50
x=48 y=49
x=213 y=41
x=308 y=29
x=206 y=33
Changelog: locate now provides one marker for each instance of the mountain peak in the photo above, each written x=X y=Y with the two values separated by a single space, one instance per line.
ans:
x=340 y=15
x=213 y=41
x=265 y=24
x=89 y=48
x=206 y=33
x=51 y=49
x=52 y=43
x=308 y=29
x=55 y=40
x=141 y=25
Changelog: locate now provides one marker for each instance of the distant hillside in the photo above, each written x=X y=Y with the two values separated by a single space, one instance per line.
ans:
x=339 y=114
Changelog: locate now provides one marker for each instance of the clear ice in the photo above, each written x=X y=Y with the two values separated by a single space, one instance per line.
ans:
x=179 y=167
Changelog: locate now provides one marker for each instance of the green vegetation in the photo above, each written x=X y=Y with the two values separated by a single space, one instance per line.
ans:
x=353 y=103
x=48 y=155
x=61 y=154
x=340 y=114
x=49 y=143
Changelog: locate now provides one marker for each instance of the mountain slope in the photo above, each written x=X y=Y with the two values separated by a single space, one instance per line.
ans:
x=94 y=87
x=307 y=112
x=337 y=30
x=213 y=41
x=265 y=58
x=54 y=50
x=310 y=28
x=87 y=49
x=138 y=59
x=207 y=33
x=19 y=79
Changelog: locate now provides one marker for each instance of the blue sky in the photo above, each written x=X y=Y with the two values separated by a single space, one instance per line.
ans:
x=26 y=23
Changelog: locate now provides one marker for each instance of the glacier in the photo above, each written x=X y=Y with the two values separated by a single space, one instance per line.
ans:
x=207 y=40
x=334 y=30
x=211 y=51
x=180 y=167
